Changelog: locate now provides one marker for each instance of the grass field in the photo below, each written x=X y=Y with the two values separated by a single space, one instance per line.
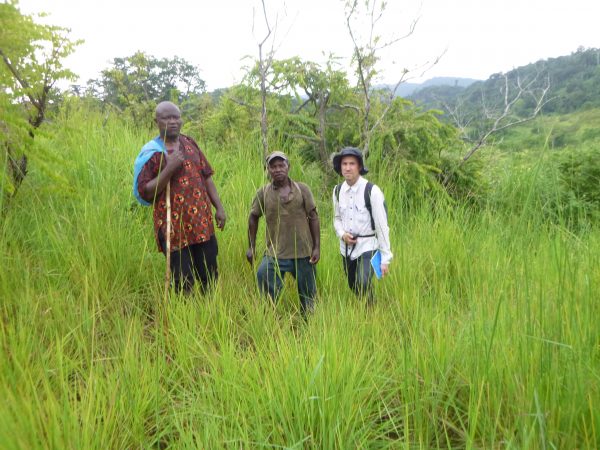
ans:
x=485 y=335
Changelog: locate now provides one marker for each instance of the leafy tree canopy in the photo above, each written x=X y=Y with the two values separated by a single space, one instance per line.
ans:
x=32 y=60
x=31 y=63
x=140 y=81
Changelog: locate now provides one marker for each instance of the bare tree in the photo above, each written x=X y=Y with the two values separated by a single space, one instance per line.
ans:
x=318 y=89
x=366 y=56
x=499 y=112
x=264 y=64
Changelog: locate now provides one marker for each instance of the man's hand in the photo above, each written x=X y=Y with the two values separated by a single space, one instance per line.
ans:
x=385 y=268
x=349 y=239
x=175 y=159
x=221 y=218
x=315 y=256
x=250 y=255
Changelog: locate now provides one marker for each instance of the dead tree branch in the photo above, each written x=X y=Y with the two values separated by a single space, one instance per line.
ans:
x=502 y=115
x=366 y=55
x=263 y=66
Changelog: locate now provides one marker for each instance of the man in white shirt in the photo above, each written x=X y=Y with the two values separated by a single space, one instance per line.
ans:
x=360 y=222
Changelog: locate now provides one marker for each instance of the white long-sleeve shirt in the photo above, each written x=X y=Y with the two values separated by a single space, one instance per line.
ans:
x=352 y=216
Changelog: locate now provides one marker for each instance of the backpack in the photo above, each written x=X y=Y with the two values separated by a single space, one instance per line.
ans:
x=368 y=189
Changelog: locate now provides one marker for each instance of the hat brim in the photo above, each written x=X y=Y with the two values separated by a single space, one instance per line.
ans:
x=270 y=160
x=337 y=164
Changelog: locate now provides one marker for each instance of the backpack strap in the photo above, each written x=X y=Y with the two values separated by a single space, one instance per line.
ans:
x=368 y=189
x=297 y=186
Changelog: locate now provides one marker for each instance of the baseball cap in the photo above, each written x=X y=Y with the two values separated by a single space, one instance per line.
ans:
x=274 y=155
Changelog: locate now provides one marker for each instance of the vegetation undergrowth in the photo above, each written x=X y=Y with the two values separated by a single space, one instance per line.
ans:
x=484 y=335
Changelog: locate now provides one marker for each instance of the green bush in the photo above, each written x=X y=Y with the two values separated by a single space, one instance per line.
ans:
x=418 y=150
x=580 y=180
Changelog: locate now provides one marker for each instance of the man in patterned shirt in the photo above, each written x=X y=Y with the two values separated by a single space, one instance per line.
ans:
x=174 y=158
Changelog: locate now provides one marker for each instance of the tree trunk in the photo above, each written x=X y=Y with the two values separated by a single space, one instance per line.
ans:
x=263 y=112
x=323 y=100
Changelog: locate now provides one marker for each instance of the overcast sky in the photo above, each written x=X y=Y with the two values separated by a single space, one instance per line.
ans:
x=476 y=37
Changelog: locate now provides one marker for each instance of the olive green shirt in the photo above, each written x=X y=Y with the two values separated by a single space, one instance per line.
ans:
x=287 y=229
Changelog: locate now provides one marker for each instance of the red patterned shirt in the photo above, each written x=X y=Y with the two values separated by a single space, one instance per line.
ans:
x=191 y=213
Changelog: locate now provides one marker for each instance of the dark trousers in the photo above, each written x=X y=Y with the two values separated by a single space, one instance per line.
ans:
x=360 y=275
x=194 y=262
x=270 y=279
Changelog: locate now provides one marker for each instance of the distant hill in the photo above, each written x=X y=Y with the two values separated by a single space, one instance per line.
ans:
x=574 y=85
x=407 y=89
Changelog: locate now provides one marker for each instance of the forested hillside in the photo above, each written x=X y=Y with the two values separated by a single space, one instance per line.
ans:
x=574 y=82
x=410 y=89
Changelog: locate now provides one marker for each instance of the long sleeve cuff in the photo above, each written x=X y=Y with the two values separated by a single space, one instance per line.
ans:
x=386 y=256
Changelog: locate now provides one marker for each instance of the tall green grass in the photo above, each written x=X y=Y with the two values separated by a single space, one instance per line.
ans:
x=484 y=335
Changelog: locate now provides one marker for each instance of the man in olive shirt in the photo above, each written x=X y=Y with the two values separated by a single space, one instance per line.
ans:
x=292 y=233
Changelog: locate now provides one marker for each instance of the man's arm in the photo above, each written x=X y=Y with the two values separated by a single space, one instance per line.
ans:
x=310 y=208
x=381 y=229
x=337 y=217
x=315 y=234
x=220 y=215
x=252 y=229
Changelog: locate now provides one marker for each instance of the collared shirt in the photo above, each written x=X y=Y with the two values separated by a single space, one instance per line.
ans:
x=287 y=229
x=191 y=213
x=352 y=216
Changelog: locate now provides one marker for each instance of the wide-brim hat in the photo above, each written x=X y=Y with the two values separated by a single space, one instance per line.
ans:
x=349 y=151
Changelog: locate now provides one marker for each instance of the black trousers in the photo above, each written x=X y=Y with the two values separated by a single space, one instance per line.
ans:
x=360 y=275
x=196 y=262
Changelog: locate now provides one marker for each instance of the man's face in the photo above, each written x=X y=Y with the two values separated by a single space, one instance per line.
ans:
x=168 y=120
x=278 y=170
x=350 y=168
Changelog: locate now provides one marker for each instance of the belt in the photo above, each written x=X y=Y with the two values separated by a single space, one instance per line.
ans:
x=356 y=236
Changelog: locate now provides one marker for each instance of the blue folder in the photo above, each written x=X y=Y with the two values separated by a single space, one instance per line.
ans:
x=376 y=263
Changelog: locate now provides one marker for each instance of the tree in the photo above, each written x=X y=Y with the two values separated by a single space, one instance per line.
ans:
x=15 y=139
x=499 y=109
x=31 y=65
x=137 y=82
x=263 y=65
x=317 y=91
x=227 y=115
x=308 y=104
x=32 y=56
x=366 y=53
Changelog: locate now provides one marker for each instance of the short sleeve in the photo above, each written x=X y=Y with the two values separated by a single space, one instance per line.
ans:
x=258 y=206
x=206 y=169
x=309 y=200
